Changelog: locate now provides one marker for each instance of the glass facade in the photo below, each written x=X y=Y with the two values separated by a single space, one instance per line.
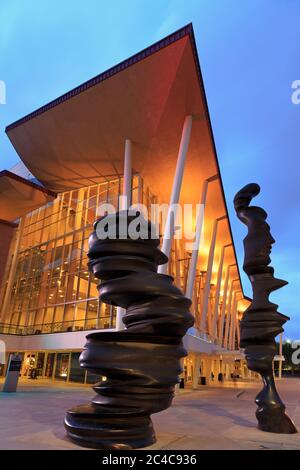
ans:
x=52 y=289
x=62 y=366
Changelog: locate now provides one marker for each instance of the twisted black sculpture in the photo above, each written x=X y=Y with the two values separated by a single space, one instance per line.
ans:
x=261 y=322
x=141 y=363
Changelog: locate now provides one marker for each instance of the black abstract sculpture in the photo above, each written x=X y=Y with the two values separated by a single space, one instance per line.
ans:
x=142 y=363
x=261 y=321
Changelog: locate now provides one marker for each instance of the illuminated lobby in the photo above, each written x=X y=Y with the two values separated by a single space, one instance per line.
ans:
x=140 y=129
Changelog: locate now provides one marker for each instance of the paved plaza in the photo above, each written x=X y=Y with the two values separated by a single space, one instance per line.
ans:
x=214 y=417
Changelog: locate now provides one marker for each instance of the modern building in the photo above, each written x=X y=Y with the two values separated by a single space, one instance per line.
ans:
x=141 y=128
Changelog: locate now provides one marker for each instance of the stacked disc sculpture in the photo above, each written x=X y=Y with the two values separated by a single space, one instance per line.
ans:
x=261 y=322
x=141 y=363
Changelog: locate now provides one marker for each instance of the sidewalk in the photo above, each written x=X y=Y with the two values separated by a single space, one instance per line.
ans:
x=214 y=417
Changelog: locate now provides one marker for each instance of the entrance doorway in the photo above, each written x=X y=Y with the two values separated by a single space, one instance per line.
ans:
x=29 y=363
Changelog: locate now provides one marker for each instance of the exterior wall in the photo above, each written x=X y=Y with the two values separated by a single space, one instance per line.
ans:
x=213 y=369
x=54 y=302
x=7 y=230
x=52 y=290
x=202 y=366
x=76 y=340
x=52 y=342
x=51 y=300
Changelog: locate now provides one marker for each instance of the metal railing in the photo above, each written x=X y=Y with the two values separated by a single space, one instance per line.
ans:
x=204 y=336
x=57 y=327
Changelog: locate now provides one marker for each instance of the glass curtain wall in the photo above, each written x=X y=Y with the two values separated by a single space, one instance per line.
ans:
x=53 y=290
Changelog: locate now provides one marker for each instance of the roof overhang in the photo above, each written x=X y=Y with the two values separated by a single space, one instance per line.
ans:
x=145 y=99
x=78 y=139
x=19 y=196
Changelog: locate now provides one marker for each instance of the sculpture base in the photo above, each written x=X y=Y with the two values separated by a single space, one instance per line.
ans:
x=88 y=426
x=275 y=420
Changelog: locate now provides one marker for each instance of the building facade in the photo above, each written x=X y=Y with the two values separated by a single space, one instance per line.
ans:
x=76 y=147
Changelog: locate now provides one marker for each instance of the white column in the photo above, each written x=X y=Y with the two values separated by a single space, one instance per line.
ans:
x=196 y=375
x=280 y=354
x=169 y=228
x=125 y=202
x=210 y=263
x=238 y=333
x=177 y=263
x=218 y=289
x=227 y=324
x=234 y=319
x=13 y=268
x=225 y=296
x=196 y=246
x=232 y=322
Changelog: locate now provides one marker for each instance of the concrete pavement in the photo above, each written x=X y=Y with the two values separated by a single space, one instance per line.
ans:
x=220 y=417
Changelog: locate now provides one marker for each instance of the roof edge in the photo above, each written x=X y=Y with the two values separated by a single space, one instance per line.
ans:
x=9 y=223
x=27 y=182
x=157 y=46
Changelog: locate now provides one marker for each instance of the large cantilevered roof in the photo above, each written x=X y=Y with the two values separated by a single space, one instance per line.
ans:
x=19 y=196
x=78 y=139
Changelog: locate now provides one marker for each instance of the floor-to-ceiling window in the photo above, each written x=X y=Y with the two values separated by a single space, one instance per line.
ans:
x=53 y=290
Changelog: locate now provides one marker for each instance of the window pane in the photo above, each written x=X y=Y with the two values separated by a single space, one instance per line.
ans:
x=62 y=366
x=77 y=373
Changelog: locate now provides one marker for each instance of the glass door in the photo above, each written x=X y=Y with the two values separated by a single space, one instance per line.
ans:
x=62 y=366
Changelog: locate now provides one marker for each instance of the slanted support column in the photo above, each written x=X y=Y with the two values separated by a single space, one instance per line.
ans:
x=238 y=333
x=224 y=305
x=210 y=263
x=227 y=322
x=237 y=324
x=280 y=355
x=125 y=202
x=234 y=319
x=170 y=223
x=177 y=263
x=218 y=289
x=207 y=369
x=228 y=316
x=196 y=246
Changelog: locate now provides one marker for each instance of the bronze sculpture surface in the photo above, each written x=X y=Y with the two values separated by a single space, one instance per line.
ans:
x=261 y=321
x=142 y=363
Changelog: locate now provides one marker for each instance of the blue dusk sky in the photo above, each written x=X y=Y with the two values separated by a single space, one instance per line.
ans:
x=249 y=53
